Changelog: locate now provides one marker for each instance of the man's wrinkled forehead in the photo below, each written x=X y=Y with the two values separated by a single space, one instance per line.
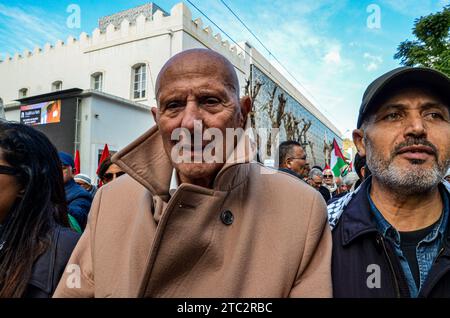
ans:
x=201 y=63
x=404 y=95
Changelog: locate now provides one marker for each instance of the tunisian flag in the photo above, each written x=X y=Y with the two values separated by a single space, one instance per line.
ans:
x=77 y=162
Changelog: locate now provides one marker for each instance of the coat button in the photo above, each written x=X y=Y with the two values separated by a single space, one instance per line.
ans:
x=227 y=217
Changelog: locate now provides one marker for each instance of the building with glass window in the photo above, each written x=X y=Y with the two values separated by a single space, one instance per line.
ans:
x=122 y=58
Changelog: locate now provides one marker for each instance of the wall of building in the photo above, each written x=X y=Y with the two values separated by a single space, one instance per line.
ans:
x=105 y=120
x=113 y=52
x=313 y=137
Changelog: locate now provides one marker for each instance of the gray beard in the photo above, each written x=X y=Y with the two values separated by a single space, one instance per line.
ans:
x=404 y=181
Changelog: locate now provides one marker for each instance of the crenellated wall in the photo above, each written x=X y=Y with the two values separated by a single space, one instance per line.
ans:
x=147 y=40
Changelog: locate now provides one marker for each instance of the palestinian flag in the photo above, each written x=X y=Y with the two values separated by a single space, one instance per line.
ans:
x=338 y=163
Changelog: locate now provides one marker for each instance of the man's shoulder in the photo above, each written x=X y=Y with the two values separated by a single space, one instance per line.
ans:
x=124 y=187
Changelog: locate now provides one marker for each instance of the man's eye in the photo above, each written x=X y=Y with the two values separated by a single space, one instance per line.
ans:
x=434 y=115
x=174 y=104
x=210 y=101
x=392 y=116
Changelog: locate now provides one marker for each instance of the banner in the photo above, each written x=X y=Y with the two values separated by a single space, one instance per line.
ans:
x=41 y=113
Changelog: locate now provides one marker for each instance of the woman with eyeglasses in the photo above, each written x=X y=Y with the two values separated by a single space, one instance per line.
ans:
x=109 y=171
x=35 y=241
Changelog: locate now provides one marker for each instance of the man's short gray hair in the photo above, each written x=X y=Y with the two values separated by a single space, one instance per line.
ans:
x=315 y=173
x=350 y=178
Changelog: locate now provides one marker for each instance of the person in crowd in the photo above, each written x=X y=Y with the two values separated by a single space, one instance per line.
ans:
x=306 y=172
x=225 y=227
x=348 y=185
x=292 y=158
x=349 y=181
x=109 y=171
x=35 y=241
x=85 y=182
x=78 y=200
x=340 y=186
x=316 y=181
x=329 y=181
x=318 y=167
x=361 y=169
x=393 y=232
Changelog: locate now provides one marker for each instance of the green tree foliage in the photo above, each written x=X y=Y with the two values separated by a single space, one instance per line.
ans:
x=432 y=46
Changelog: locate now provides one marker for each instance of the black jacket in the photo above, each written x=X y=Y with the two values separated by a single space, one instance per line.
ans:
x=49 y=267
x=358 y=249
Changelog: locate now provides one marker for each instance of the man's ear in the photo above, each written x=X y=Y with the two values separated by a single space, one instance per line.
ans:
x=246 y=107
x=288 y=162
x=154 y=113
x=358 y=140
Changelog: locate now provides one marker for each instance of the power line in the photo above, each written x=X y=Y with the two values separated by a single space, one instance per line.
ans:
x=243 y=49
x=270 y=53
x=248 y=29
x=265 y=47
x=227 y=35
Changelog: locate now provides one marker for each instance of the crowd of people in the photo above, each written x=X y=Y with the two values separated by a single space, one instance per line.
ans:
x=293 y=160
x=155 y=226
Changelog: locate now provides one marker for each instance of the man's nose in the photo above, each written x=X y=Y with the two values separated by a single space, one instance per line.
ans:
x=192 y=115
x=416 y=126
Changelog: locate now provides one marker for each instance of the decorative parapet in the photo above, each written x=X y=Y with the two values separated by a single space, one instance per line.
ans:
x=142 y=22
x=147 y=10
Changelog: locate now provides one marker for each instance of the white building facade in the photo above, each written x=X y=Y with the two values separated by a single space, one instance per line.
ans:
x=123 y=57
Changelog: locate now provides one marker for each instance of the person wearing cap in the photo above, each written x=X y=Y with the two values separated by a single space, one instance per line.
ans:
x=86 y=183
x=391 y=236
x=78 y=200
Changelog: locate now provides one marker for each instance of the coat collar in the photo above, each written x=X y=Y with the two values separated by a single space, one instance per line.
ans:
x=357 y=219
x=146 y=161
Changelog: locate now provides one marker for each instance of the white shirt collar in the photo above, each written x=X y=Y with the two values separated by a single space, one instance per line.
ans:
x=174 y=182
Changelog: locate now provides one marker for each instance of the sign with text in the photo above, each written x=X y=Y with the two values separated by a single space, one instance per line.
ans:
x=41 y=113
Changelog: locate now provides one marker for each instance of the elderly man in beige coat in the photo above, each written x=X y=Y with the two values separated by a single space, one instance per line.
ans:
x=172 y=228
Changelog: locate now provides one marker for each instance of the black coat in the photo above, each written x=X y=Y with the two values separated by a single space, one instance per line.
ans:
x=49 y=267
x=357 y=246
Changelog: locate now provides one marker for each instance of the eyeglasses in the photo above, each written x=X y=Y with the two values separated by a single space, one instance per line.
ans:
x=301 y=158
x=8 y=170
x=328 y=176
x=110 y=176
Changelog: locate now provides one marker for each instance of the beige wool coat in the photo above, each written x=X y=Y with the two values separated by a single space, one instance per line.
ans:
x=254 y=234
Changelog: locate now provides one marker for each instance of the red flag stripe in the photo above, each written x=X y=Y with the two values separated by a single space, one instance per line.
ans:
x=77 y=162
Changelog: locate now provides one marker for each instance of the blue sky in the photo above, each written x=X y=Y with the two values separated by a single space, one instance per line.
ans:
x=326 y=44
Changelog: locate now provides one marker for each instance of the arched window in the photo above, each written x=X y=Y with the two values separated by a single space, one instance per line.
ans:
x=23 y=92
x=97 y=81
x=56 y=86
x=139 y=87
